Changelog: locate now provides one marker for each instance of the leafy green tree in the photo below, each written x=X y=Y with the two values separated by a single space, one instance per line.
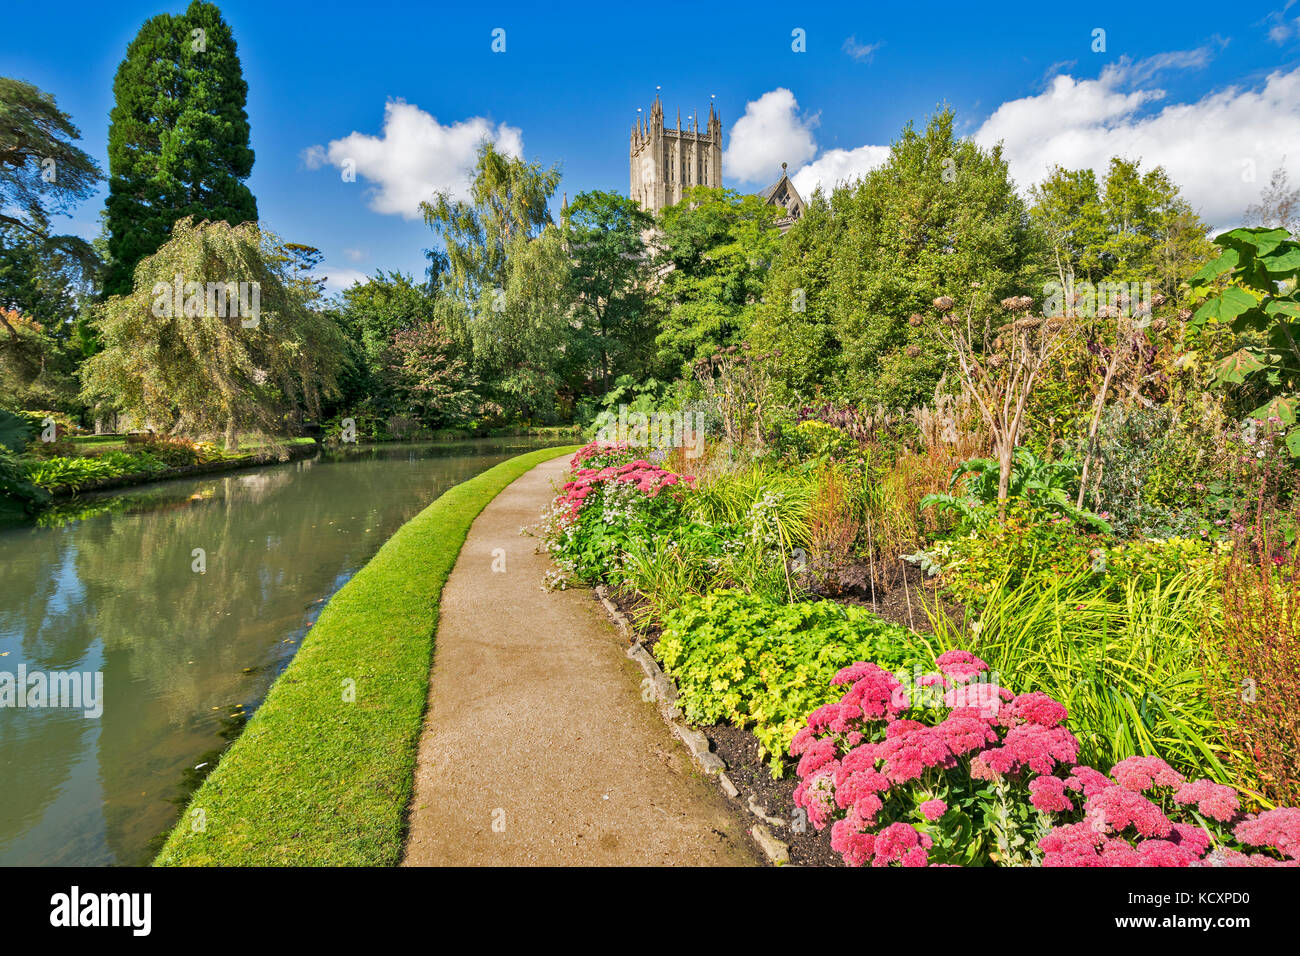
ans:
x=302 y=262
x=608 y=280
x=178 y=139
x=941 y=214
x=797 y=318
x=371 y=314
x=508 y=201
x=235 y=348
x=37 y=370
x=41 y=172
x=40 y=280
x=43 y=288
x=1278 y=206
x=525 y=345
x=431 y=382
x=715 y=248
x=505 y=286
x=1130 y=227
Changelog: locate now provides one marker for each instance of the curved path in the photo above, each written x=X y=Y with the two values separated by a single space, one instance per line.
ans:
x=537 y=748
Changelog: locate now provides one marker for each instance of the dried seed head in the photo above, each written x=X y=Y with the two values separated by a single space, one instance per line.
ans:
x=944 y=303
x=913 y=351
x=915 y=320
x=997 y=361
x=1184 y=315
x=1159 y=325
x=1158 y=299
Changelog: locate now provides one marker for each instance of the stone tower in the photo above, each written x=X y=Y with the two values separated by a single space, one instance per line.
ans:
x=664 y=162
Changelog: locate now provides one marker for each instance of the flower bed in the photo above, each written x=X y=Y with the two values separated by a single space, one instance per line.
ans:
x=957 y=770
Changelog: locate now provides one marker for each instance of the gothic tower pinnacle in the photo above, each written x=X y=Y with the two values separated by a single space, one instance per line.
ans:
x=666 y=162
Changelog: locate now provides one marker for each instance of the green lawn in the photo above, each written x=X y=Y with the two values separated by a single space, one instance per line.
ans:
x=317 y=781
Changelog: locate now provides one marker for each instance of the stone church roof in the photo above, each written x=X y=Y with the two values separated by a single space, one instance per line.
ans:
x=782 y=193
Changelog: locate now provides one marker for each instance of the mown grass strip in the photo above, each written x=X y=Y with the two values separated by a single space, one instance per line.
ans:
x=314 y=780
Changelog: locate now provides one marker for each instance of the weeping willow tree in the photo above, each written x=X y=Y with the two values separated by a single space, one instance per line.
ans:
x=215 y=337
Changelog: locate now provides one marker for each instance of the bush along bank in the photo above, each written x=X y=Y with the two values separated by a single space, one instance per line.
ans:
x=323 y=773
x=38 y=472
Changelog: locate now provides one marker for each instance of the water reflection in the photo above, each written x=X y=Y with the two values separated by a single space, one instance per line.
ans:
x=185 y=656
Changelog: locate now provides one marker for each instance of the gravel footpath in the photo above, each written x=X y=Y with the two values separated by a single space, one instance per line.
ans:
x=537 y=747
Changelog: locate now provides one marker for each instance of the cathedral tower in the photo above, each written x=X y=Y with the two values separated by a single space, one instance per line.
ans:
x=665 y=162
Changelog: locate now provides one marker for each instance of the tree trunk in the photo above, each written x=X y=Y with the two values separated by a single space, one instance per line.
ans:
x=1097 y=410
x=232 y=436
x=1005 y=449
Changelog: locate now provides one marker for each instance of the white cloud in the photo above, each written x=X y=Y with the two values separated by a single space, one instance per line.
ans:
x=1280 y=29
x=1219 y=149
x=340 y=279
x=836 y=166
x=415 y=156
x=314 y=157
x=770 y=133
x=861 y=51
x=356 y=255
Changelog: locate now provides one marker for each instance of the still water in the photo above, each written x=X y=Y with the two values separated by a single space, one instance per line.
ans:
x=185 y=656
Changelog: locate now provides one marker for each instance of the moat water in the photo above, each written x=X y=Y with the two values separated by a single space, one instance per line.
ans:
x=185 y=655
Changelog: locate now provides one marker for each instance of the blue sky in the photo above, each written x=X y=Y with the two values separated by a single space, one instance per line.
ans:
x=1210 y=90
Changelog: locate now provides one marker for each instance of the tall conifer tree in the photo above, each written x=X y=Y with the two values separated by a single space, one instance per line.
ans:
x=178 y=136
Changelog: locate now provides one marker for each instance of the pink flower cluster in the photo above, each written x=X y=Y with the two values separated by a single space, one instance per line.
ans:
x=608 y=451
x=649 y=479
x=866 y=761
x=1130 y=819
x=858 y=754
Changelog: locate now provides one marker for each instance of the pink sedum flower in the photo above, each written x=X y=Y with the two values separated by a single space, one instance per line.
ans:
x=933 y=809
x=1048 y=795
x=1119 y=808
x=1140 y=774
x=960 y=665
x=1279 y=829
x=1212 y=800
x=1038 y=708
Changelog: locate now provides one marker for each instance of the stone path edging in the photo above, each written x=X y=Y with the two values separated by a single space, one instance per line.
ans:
x=666 y=695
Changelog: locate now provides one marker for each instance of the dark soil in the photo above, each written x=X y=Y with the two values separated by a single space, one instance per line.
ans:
x=635 y=608
x=739 y=748
x=904 y=603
